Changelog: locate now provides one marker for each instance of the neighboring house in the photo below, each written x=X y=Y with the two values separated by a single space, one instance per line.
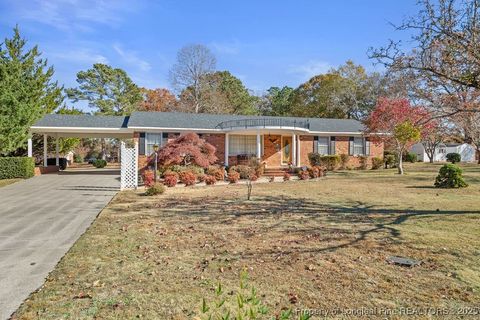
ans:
x=466 y=151
x=277 y=141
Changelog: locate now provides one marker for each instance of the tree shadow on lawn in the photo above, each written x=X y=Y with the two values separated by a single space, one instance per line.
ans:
x=344 y=225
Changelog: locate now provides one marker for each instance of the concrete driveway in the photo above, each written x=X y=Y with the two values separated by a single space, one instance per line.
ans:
x=40 y=219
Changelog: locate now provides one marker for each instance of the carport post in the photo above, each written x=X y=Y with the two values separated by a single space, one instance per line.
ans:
x=29 y=147
x=57 y=159
x=45 y=150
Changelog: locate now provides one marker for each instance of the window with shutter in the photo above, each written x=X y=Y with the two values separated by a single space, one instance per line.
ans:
x=332 y=146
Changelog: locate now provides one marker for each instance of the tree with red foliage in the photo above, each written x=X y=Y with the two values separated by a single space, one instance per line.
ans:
x=396 y=122
x=186 y=150
x=157 y=100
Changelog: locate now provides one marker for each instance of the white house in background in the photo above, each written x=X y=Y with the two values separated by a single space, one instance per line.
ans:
x=466 y=151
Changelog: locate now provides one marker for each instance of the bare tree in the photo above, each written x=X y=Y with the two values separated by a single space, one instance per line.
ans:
x=433 y=134
x=446 y=45
x=193 y=63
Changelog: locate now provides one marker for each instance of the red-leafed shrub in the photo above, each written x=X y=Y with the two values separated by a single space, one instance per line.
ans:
x=188 y=149
x=244 y=171
x=170 y=180
x=209 y=180
x=187 y=177
x=233 y=176
x=169 y=172
x=317 y=171
x=286 y=176
x=148 y=177
x=201 y=177
x=253 y=177
x=303 y=175
x=218 y=172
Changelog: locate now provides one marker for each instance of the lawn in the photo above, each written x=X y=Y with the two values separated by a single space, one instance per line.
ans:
x=319 y=245
x=6 y=182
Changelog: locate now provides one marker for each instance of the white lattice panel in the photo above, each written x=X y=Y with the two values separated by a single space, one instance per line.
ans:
x=129 y=167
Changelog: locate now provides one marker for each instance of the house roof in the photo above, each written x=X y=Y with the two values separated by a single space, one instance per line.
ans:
x=82 y=121
x=179 y=121
x=174 y=120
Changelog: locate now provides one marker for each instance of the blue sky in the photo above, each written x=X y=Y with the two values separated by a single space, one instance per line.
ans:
x=264 y=43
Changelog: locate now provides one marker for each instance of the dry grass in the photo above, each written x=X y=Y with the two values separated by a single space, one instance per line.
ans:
x=314 y=244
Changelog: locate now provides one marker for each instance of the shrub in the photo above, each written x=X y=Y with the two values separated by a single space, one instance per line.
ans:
x=390 y=161
x=100 y=163
x=303 y=174
x=377 y=163
x=450 y=176
x=155 y=189
x=344 y=158
x=363 y=160
x=191 y=168
x=454 y=157
x=16 y=167
x=411 y=157
x=244 y=171
x=188 y=149
x=148 y=178
x=210 y=180
x=187 y=177
x=257 y=166
x=216 y=171
x=315 y=172
x=233 y=176
x=77 y=158
x=201 y=177
x=286 y=176
x=330 y=161
x=169 y=172
x=170 y=180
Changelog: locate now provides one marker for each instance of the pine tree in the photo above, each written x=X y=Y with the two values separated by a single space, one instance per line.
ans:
x=27 y=91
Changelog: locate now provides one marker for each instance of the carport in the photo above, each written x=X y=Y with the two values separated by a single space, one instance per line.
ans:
x=88 y=126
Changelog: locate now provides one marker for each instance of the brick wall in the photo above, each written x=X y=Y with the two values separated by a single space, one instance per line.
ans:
x=306 y=147
x=342 y=146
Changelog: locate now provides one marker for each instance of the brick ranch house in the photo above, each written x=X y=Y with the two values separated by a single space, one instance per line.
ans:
x=277 y=141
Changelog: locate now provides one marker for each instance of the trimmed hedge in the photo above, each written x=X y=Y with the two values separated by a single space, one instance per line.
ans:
x=100 y=163
x=450 y=176
x=454 y=157
x=16 y=167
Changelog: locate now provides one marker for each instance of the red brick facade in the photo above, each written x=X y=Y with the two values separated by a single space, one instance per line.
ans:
x=272 y=153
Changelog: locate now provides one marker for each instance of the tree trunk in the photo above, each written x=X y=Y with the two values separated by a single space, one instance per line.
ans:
x=431 y=159
x=400 y=162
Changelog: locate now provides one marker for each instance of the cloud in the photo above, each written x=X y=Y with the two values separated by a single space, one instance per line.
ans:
x=131 y=58
x=310 y=69
x=69 y=15
x=81 y=56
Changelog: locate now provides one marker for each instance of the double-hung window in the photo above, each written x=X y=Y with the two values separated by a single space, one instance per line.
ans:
x=322 y=145
x=152 y=139
x=359 y=146
x=243 y=145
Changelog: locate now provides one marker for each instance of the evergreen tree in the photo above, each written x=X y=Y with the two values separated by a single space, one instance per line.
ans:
x=27 y=91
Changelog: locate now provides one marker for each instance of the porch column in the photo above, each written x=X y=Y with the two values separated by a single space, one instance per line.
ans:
x=45 y=150
x=57 y=156
x=259 y=147
x=298 y=151
x=29 y=147
x=294 y=149
x=226 y=149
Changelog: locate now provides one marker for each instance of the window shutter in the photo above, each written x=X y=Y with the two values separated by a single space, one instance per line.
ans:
x=332 y=146
x=367 y=146
x=141 y=144
x=315 y=144
x=350 y=145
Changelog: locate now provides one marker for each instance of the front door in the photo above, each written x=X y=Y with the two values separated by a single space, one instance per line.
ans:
x=286 y=150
